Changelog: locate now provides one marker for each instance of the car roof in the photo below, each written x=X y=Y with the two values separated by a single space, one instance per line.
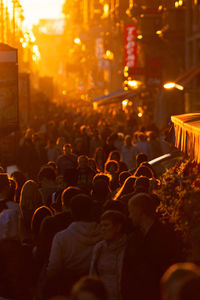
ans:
x=160 y=158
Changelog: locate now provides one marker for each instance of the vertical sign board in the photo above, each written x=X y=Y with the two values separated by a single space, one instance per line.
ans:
x=9 y=121
x=153 y=71
x=8 y=90
x=130 y=46
x=100 y=53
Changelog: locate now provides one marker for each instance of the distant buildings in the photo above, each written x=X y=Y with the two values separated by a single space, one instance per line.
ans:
x=49 y=35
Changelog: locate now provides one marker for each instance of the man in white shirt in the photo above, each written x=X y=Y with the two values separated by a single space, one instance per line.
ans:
x=129 y=152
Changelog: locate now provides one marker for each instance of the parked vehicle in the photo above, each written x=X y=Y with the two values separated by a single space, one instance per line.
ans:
x=166 y=161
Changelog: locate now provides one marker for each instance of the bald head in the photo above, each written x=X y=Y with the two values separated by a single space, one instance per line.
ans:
x=175 y=278
x=141 y=206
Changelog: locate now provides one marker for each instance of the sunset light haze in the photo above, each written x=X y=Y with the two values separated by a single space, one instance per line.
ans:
x=34 y=10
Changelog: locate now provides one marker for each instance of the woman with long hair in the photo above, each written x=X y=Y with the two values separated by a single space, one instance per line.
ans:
x=127 y=188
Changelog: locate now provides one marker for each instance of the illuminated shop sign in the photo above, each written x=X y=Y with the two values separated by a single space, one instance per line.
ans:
x=130 y=47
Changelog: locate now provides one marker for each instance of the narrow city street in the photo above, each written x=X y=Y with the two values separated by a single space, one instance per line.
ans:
x=99 y=150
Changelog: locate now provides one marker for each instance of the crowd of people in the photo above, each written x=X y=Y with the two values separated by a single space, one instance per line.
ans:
x=79 y=219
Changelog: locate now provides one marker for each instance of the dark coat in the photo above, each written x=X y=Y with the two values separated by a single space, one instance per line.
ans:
x=146 y=259
x=17 y=271
x=84 y=178
x=27 y=158
x=49 y=228
x=66 y=162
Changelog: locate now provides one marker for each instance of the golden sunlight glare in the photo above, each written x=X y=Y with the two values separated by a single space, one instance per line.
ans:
x=77 y=41
x=134 y=83
x=24 y=44
x=176 y=4
x=9 y=5
x=34 y=10
x=140 y=37
x=179 y=87
x=158 y=32
x=106 y=10
x=169 y=85
x=109 y=55
x=125 y=102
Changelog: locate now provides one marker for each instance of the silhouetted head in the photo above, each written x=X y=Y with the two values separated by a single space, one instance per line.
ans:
x=142 y=184
x=81 y=207
x=89 y=288
x=47 y=174
x=111 y=167
x=144 y=171
x=141 y=157
x=123 y=176
x=141 y=207
x=68 y=194
x=174 y=281
x=39 y=215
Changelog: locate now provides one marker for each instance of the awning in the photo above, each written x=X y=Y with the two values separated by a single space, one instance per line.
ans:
x=114 y=97
x=185 y=78
x=187 y=134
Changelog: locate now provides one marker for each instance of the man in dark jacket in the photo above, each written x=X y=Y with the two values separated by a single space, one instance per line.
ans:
x=67 y=162
x=71 y=249
x=84 y=174
x=54 y=224
x=152 y=248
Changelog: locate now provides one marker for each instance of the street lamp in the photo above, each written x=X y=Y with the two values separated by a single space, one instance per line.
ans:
x=77 y=41
x=125 y=102
x=171 y=85
x=109 y=55
x=134 y=83
x=140 y=37
x=2 y=20
x=14 y=2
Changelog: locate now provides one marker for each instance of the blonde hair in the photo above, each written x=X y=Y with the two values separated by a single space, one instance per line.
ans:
x=30 y=197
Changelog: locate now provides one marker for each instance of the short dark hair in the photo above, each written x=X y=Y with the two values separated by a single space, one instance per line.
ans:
x=110 y=163
x=4 y=181
x=68 y=193
x=52 y=164
x=123 y=176
x=81 y=207
x=39 y=215
x=85 y=157
x=67 y=146
x=92 y=285
x=141 y=157
x=115 y=153
x=48 y=173
x=116 y=217
x=19 y=177
x=142 y=183
x=144 y=171
x=176 y=276
x=102 y=177
x=190 y=289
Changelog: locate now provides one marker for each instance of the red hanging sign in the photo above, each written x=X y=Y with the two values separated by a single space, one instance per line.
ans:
x=130 y=47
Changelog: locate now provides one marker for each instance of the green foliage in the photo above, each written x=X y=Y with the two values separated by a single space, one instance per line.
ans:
x=180 y=203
